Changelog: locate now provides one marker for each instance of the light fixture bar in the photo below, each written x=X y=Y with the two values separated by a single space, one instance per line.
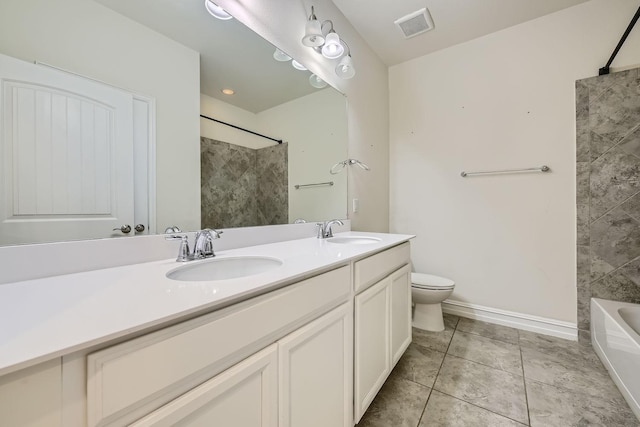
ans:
x=329 y=44
x=216 y=11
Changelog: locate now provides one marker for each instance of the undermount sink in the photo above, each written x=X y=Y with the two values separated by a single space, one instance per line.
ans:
x=353 y=240
x=224 y=268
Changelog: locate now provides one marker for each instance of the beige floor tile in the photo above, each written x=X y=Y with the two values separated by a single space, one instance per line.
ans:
x=447 y=411
x=551 y=406
x=399 y=403
x=557 y=346
x=489 y=388
x=489 y=330
x=490 y=352
x=419 y=364
x=438 y=341
x=568 y=371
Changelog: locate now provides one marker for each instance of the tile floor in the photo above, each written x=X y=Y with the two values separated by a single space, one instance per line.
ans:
x=479 y=374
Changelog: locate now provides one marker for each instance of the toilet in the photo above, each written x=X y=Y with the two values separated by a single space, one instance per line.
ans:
x=427 y=292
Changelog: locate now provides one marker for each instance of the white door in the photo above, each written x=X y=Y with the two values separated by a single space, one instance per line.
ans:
x=67 y=156
x=316 y=372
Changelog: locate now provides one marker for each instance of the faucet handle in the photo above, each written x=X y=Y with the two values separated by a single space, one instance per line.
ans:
x=320 y=230
x=183 y=253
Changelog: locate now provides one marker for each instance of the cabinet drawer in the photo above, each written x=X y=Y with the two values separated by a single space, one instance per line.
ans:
x=244 y=395
x=131 y=379
x=369 y=270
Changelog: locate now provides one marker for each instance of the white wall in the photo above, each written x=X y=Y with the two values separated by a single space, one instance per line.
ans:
x=217 y=109
x=502 y=101
x=315 y=127
x=87 y=38
x=282 y=23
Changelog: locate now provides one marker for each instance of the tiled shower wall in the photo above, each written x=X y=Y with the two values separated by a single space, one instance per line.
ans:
x=243 y=187
x=608 y=190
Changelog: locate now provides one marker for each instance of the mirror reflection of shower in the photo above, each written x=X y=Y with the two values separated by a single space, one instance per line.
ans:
x=243 y=186
x=272 y=197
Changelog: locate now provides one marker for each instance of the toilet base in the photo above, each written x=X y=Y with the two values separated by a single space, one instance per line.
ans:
x=428 y=317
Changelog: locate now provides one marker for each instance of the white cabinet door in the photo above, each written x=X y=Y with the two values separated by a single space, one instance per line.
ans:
x=32 y=397
x=316 y=372
x=400 y=283
x=244 y=395
x=66 y=150
x=372 y=343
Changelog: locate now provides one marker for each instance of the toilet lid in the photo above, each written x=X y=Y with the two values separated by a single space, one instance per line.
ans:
x=429 y=281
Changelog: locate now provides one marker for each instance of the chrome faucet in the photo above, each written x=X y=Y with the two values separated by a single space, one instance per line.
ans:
x=324 y=228
x=202 y=247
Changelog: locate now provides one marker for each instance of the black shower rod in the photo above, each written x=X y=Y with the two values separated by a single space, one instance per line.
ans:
x=279 y=141
x=605 y=70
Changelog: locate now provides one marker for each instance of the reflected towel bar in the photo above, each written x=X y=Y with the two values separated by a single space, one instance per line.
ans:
x=319 y=184
x=543 y=168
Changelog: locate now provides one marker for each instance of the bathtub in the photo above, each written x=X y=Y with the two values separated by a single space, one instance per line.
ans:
x=615 y=335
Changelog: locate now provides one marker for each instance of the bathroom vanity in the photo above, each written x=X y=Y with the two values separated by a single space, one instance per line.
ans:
x=308 y=343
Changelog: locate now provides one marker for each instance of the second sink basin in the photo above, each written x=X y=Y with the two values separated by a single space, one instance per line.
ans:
x=354 y=240
x=224 y=268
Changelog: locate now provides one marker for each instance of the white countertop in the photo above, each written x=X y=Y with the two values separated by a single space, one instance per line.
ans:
x=46 y=318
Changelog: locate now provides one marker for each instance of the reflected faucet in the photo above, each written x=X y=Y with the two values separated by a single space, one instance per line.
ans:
x=324 y=228
x=202 y=248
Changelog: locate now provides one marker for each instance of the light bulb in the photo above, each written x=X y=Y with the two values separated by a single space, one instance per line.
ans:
x=332 y=48
x=317 y=82
x=298 y=66
x=345 y=68
x=313 y=31
x=216 y=10
x=279 y=55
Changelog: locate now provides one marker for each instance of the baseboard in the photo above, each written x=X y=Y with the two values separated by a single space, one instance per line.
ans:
x=540 y=325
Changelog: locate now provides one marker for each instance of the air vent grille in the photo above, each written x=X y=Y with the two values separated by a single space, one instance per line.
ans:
x=415 y=23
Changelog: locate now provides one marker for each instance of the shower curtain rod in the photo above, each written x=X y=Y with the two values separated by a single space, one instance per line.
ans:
x=279 y=141
x=605 y=70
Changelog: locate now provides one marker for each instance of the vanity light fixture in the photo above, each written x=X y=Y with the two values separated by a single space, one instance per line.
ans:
x=298 y=66
x=279 y=55
x=313 y=36
x=345 y=68
x=217 y=11
x=317 y=82
x=332 y=48
x=314 y=80
x=323 y=38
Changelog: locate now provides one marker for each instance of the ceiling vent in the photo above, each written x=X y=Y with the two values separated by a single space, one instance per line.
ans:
x=415 y=23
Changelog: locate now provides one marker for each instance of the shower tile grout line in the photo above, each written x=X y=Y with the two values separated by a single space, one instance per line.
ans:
x=610 y=210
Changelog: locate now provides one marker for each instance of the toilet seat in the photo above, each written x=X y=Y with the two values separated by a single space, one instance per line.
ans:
x=431 y=282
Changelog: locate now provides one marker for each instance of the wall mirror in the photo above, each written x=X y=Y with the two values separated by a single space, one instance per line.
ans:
x=152 y=49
